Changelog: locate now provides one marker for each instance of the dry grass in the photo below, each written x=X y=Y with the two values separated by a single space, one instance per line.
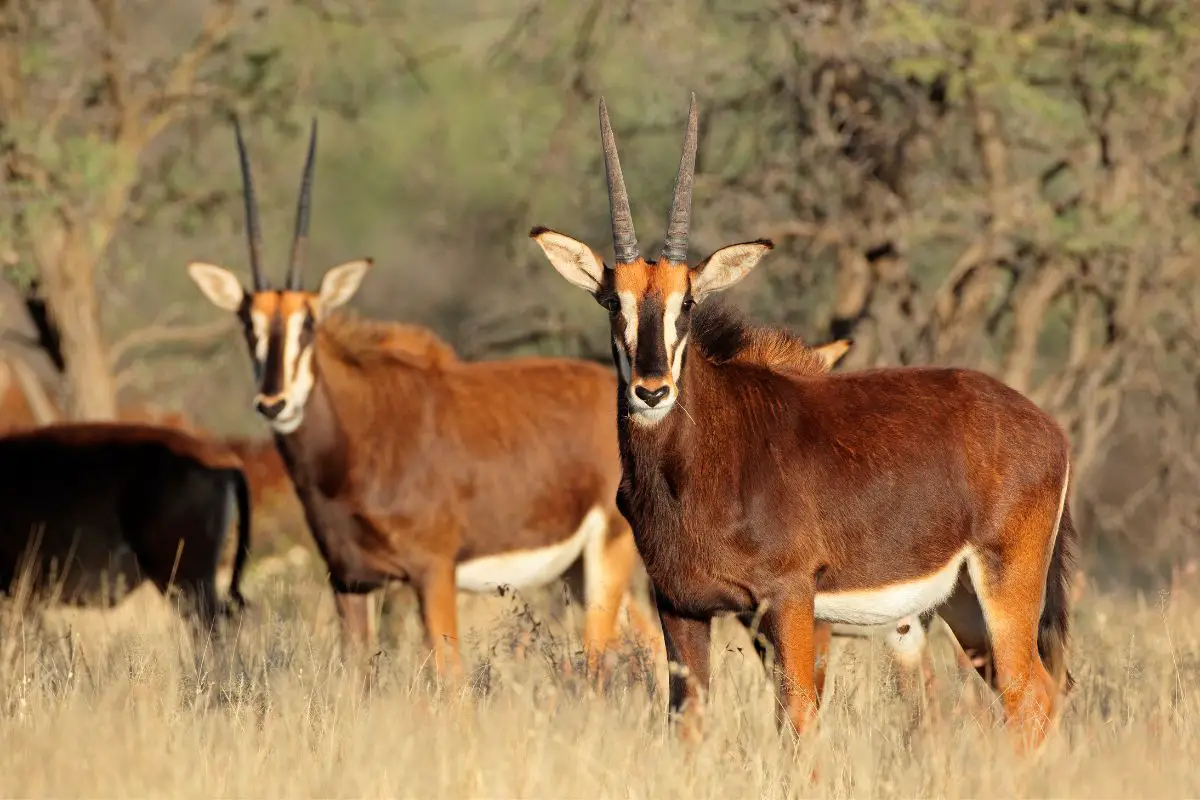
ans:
x=119 y=704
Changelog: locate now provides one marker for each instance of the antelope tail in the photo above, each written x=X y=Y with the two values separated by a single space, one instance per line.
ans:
x=242 y=489
x=1054 y=626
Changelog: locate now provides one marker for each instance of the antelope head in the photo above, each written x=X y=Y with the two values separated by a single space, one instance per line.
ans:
x=280 y=325
x=649 y=303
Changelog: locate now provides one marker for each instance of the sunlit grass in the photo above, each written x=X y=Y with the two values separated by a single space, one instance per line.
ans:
x=121 y=704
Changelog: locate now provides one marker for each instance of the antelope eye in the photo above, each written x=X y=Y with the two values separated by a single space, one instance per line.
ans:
x=687 y=304
x=613 y=305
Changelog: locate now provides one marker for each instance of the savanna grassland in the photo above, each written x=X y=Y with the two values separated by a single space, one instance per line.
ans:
x=120 y=704
x=1009 y=186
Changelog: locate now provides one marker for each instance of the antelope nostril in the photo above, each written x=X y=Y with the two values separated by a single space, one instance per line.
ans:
x=652 y=397
x=271 y=408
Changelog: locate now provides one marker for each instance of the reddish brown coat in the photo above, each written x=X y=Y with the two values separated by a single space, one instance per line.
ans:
x=409 y=467
x=858 y=497
x=412 y=465
x=457 y=458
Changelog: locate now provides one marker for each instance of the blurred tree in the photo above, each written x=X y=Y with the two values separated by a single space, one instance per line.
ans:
x=86 y=92
x=1003 y=184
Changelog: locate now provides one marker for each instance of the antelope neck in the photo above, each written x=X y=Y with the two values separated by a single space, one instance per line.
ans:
x=317 y=450
x=648 y=452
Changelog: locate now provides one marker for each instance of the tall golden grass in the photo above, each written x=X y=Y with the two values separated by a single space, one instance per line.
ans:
x=121 y=704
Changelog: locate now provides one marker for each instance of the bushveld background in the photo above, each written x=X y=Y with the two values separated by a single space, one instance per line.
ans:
x=1010 y=185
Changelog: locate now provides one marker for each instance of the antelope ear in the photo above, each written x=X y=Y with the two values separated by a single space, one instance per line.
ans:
x=340 y=283
x=220 y=286
x=727 y=266
x=832 y=353
x=573 y=259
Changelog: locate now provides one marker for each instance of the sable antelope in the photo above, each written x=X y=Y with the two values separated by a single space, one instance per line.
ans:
x=264 y=468
x=419 y=467
x=85 y=507
x=856 y=497
x=270 y=484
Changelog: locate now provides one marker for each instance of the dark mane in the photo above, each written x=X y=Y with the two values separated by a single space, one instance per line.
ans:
x=359 y=341
x=723 y=335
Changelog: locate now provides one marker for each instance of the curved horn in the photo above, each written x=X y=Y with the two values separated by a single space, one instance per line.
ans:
x=675 y=244
x=253 y=232
x=624 y=239
x=301 y=237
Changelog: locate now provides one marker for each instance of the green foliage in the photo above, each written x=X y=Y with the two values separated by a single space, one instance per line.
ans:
x=21 y=275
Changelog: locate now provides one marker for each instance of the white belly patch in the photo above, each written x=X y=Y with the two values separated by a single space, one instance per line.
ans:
x=890 y=603
x=523 y=569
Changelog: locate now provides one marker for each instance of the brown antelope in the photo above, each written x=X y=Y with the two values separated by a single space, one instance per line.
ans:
x=264 y=468
x=90 y=510
x=858 y=497
x=415 y=466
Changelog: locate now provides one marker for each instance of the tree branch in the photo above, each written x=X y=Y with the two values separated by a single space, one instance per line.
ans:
x=67 y=96
x=116 y=75
x=40 y=405
x=181 y=83
x=1029 y=312
x=160 y=333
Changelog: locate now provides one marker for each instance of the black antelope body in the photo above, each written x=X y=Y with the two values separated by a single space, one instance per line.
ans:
x=447 y=474
x=88 y=511
x=859 y=497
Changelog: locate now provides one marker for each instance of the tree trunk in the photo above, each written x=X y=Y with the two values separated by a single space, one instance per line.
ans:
x=70 y=292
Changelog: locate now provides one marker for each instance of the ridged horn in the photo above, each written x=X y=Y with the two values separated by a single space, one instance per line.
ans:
x=625 y=247
x=253 y=232
x=675 y=245
x=302 y=208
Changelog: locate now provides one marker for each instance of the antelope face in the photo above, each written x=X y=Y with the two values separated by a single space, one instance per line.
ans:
x=650 y=310
x=280 y=327
x=649 y=303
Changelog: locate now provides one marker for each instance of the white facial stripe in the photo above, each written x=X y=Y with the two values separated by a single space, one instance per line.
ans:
x=623 y=361
x=261 y=326
x=671 y=312
x=291 y=347
x=626 y=349
x=677 y=359
x=629 y=312
x=297 y=375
